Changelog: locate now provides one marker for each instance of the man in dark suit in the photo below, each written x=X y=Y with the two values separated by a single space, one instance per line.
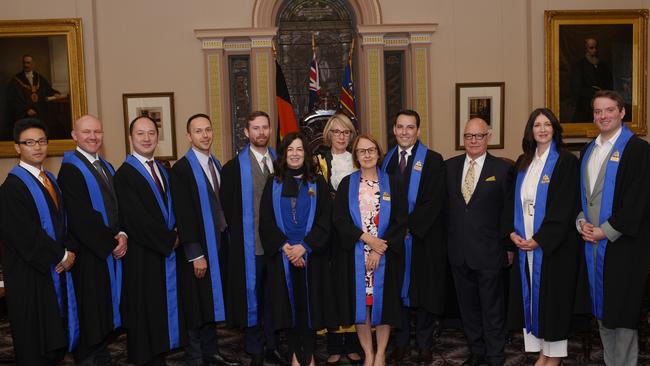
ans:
x=422 y=172
x=477 y=185
x=86 y=181
x=200 y=221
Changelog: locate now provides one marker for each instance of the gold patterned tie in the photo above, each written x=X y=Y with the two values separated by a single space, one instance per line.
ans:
x=468 y=184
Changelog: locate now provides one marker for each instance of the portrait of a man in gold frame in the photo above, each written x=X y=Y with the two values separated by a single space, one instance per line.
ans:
x=590 y=50
x=54 y=90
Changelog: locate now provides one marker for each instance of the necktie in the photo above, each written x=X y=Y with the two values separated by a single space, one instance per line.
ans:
x=156 y=180
x=221 y=219
x=402 y=161
x=98 y=166
x=265 y=168
x=50 y=188
x=468 y=184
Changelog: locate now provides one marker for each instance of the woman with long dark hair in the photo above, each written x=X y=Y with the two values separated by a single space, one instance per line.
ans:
x=295 y=216
x=370 y=216
x=543 y=275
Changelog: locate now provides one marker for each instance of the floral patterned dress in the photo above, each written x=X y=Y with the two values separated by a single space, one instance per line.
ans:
x=369 y=198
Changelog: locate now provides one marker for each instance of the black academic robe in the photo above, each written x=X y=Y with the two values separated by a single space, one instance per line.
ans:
x=28 y=254
x=558 y=238
x=426 y=224
x=95 y=242
x=196 y=294
x=627 y=259
x=349 y=234
x=273 y=239
x=150 y=243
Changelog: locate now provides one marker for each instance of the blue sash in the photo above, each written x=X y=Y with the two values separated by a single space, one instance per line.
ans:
x=359 y=260
x=170 y=261
x=414 y=184
x=47 y=225
x=211 y=235
x=97 y=201
x=531 y=307
x=596 y=278
x=277 y=193
x=248 y=222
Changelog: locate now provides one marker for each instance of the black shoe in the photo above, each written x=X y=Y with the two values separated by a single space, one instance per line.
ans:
x=475 y=360
x=398 y=355
x=218 y=359
x=257 y=360
x=275 y=357
x=425 y=357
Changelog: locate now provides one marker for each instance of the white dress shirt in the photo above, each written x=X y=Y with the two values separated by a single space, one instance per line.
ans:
x=409 y=152
x=203 y=161
x=477 y=169
x=598 y=155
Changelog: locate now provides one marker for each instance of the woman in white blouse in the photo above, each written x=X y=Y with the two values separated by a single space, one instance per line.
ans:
x=544 y=272
x=334 y=162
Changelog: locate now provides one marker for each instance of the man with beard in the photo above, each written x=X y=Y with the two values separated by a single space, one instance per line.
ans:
x=248 y=301
x=150 y=281
x=588 y=76
x=422 y=172
x=201 y=223
x=86 y=181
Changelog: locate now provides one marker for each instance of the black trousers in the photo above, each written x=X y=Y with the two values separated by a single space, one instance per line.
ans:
x=301 y=338
x=423 y=328
x=262 y=334
x=481 y=296
x=201 y=344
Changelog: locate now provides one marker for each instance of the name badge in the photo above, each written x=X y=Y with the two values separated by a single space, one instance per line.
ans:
x=386 y=196
x=529 y=207
x=417 y=166
x=616 y=157
x=545 y=179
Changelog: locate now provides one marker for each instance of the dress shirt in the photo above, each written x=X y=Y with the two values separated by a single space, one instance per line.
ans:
x=203 y=160
x=598 y=155
x=409 y=152
x=267 y=155
x=144 y=161
x=30 y=77
x=529 y=189
x=477 y=169
x=36 y=172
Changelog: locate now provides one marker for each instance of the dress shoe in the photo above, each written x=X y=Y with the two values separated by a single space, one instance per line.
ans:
x=475 y=360
x=425 y=357
x=257 y=360
x=219 y=359
x=276 y=358
x=398 y=355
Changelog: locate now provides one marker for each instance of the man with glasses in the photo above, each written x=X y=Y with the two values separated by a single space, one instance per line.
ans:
x=87 y=184
x=477 y=186
x=422 y=173
x=36 y=252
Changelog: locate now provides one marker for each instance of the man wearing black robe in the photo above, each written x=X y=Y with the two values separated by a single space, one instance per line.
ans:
x=624 y=233
x=32 y=257
x=259 y=333
x=426 y=288
x=150 y=282
x=199 y=275
x=101 y=243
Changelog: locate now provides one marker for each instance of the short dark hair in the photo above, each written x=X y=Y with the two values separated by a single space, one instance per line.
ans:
x=145 y=116
x=256 y=114
x=408 y=112
x=192 y=118
x=610 y=94
x=27 y=123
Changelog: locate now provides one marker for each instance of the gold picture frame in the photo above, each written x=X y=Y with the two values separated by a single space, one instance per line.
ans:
x=56 y=47
x=587 y=50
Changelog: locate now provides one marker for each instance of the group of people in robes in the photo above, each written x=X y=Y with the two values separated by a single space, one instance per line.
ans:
x=345 y=239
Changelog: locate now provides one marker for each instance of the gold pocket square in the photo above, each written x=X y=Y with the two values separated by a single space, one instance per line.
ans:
x=491 y=179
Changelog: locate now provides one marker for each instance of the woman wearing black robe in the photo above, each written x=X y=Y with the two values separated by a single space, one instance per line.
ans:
x=375 y=304
x=547 y=259
x=295 y=216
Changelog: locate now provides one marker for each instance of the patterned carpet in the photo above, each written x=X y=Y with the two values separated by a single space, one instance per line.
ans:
x=449 y=349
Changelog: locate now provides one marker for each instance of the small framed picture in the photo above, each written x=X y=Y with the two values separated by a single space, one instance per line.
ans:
x=480 y=100
x=160 y=108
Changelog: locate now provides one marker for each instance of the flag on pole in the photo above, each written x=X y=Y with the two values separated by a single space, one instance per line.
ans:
x=286 y=118
x=314 y=77
x=346 y=100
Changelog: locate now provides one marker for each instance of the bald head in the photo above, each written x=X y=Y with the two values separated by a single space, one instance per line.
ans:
x=476 y=137
x=88 y=134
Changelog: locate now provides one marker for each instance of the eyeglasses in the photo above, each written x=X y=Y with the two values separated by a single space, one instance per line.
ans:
x=369 y=151
x=32 y=142
x=477 y=136
x=337 y=133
